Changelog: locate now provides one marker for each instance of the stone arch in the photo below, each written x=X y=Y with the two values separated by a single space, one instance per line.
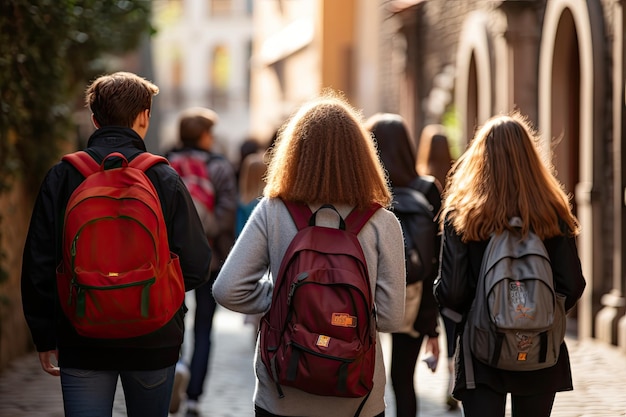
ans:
x=474 y=80
x=587 y=24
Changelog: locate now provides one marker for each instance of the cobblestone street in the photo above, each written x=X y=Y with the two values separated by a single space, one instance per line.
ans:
x=599 y=377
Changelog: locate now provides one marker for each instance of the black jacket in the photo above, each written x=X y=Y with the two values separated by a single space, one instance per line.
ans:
x=455 y=289
x=49 y=327
x=426 y=322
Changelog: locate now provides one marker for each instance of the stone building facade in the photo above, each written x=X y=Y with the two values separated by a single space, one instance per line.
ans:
x=560 y=62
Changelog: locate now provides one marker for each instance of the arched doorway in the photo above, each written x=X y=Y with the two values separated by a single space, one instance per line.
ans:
x=565 y=92
x=572 y=35
x=474 y=86
x=471 y=113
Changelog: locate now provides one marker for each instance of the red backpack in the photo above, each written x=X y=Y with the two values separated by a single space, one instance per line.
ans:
x=192 y=167
x=319 y=335
x=118 y=278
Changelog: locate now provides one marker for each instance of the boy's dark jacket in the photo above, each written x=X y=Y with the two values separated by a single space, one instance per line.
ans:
x=42 y=254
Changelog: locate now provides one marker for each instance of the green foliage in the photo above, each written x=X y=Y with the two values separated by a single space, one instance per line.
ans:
x=450 y=122
x=50 y=50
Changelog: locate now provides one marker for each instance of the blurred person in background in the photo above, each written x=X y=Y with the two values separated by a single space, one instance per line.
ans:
x=196 y=140
x=251 y=184
x=398 y=157
x=433 y=158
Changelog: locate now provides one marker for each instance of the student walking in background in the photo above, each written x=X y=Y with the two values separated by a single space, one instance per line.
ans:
x=323 y=155
x=248 y=147
x=216 y=186
x=433 y=153
x=501 y=175
x=433 y=158
x=422 y=257
x=90 y=367
x=251 y=184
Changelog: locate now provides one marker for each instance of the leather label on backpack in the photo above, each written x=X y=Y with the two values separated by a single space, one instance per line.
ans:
x=343 y=320
x=323 y=341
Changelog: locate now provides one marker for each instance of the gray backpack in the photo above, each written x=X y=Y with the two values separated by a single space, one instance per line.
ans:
x=517 y=320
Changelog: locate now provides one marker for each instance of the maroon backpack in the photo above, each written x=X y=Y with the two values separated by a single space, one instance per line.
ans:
x=319 y=335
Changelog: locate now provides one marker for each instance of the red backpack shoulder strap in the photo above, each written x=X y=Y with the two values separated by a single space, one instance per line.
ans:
x=357 y=218
x=145 y=160
x=83 y=162
x=300 y=213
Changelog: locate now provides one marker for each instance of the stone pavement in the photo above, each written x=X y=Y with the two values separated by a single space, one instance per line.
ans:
x=599 y=378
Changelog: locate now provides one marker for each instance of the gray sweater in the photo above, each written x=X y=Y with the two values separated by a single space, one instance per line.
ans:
x=242 y=286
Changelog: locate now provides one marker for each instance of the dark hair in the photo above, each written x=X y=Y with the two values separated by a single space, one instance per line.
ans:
x=194 y=122
x=117 y=99
x=394 y=147
x=433 y=154
x=248 y=147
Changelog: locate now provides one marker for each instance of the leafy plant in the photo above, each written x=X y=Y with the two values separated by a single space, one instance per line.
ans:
x=50 y=50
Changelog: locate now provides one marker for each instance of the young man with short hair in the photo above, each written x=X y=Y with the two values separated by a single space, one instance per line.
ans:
x=89 y=367
x=196 y=140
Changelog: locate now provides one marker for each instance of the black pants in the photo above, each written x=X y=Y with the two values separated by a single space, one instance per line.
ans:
x=404 y=352
x=485 y=402
x=259 y=412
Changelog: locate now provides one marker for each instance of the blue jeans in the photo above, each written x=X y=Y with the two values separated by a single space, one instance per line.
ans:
x=88 y=393
x=202 y=328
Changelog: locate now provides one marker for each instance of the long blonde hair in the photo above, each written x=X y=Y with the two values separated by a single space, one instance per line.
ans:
x=324 y=154
x=502 y=175
x=252 y=177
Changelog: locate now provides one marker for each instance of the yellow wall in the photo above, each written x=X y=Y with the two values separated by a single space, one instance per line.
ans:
x=337 y=41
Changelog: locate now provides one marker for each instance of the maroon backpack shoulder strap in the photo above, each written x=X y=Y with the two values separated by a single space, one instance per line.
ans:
x=357 y=218
x=83 y=162
x=145 y=160
x=300 y=213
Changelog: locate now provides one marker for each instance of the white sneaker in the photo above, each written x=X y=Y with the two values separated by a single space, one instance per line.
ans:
x=192 y=408
x=181 y=379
